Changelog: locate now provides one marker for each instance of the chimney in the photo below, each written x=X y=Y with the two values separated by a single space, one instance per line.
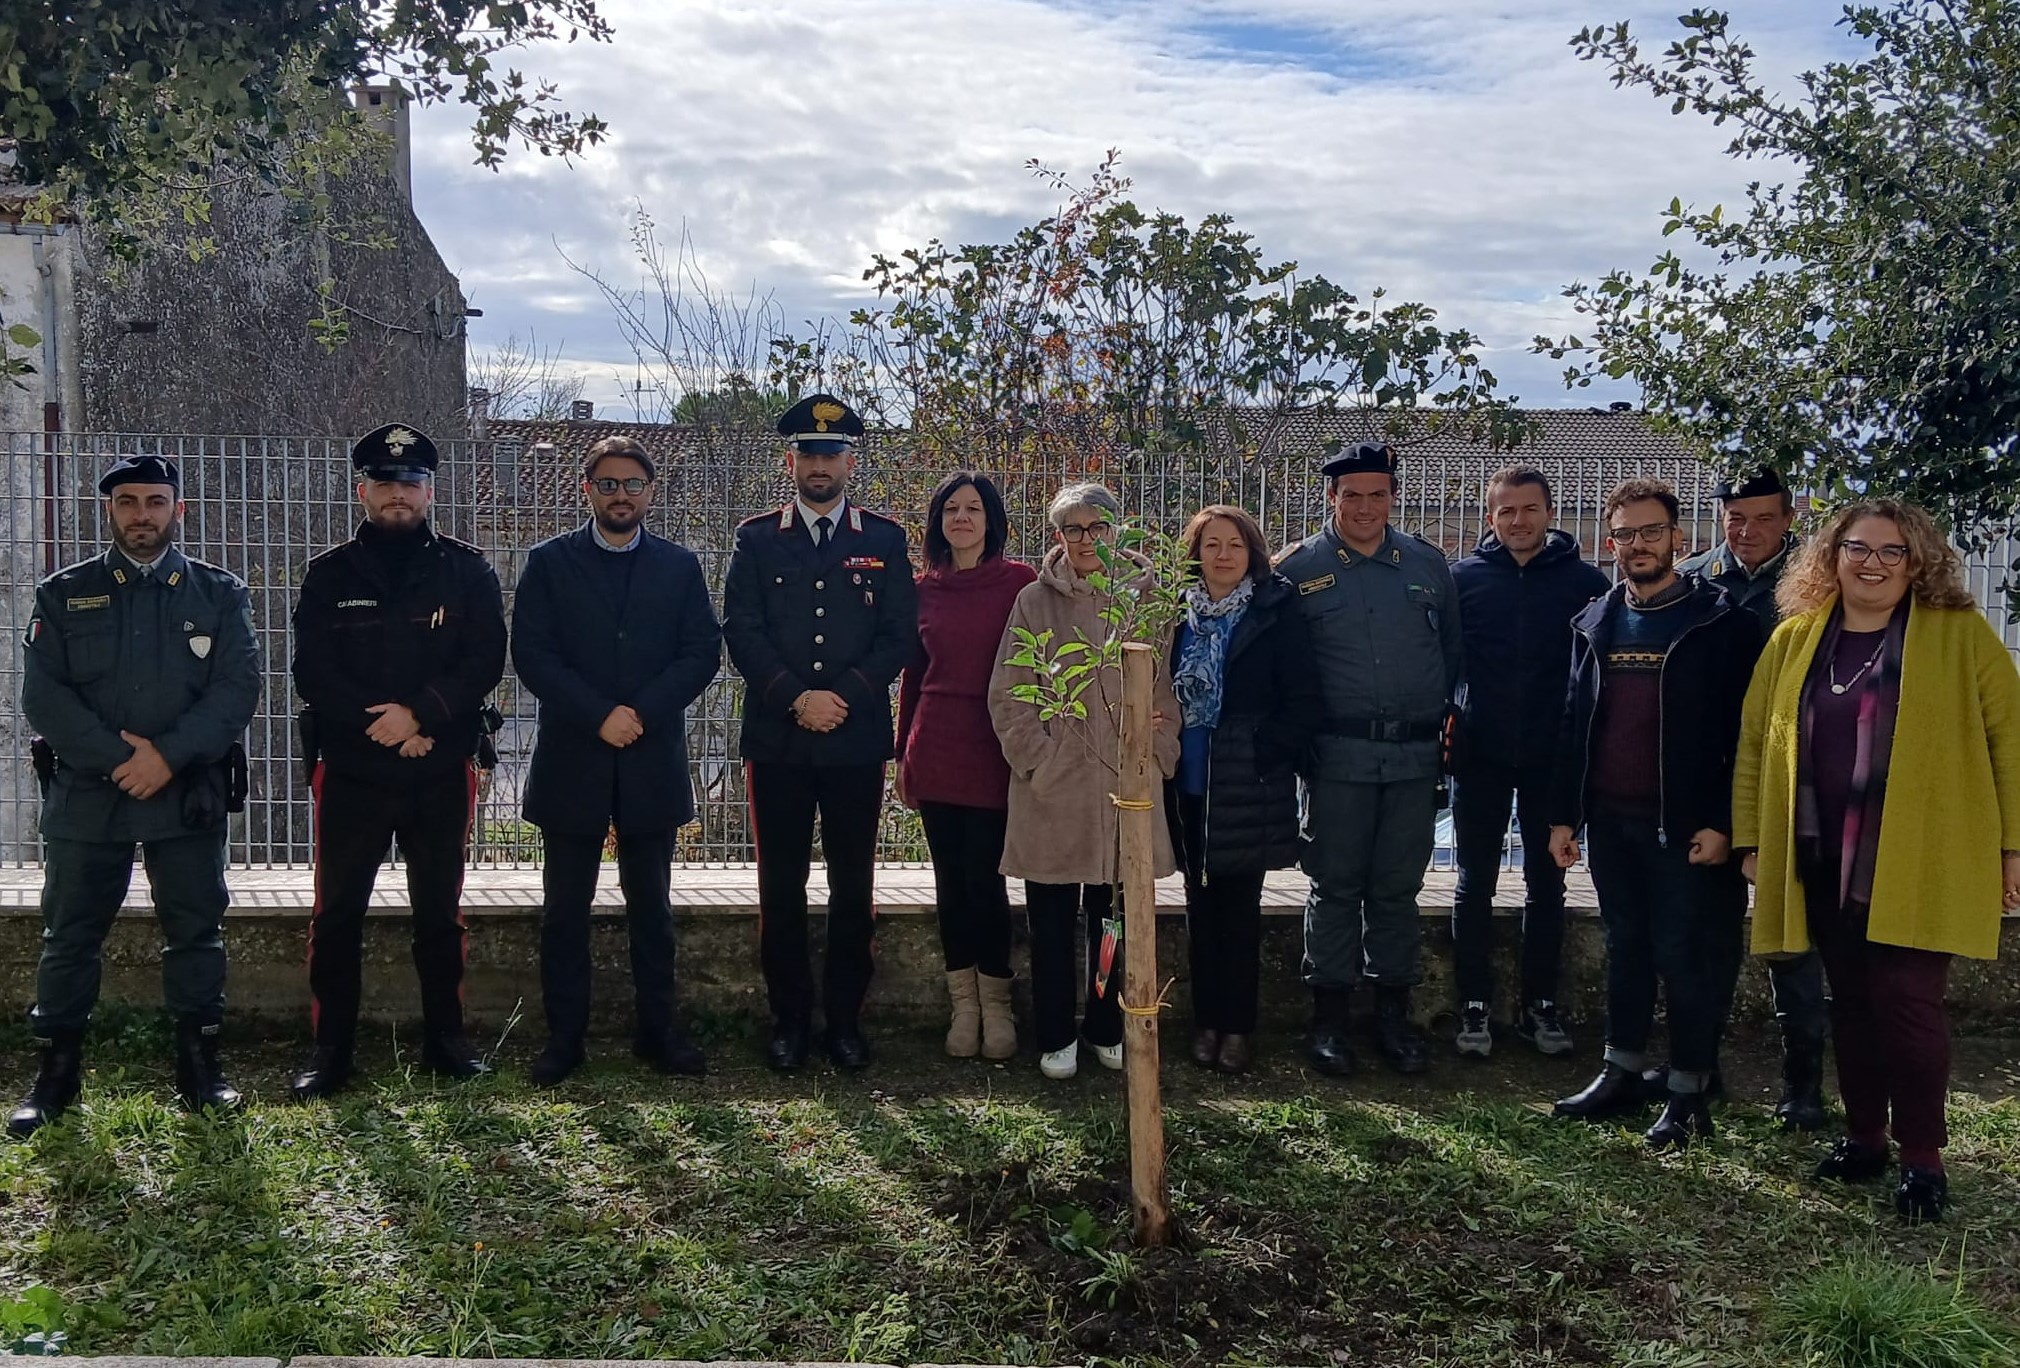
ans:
x=480 y=412
x=582 y=411
x=385 y=108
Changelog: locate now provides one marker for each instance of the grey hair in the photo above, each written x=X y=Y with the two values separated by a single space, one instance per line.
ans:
x=1088 y=495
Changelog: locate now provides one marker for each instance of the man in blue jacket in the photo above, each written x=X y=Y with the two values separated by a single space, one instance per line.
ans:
x=1517 y=594
x=613 y=632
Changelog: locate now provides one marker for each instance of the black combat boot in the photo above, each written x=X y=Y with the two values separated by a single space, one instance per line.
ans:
x=1398 y=1038
x=199 y=1079
x=1614 y=1092
x=1802 y=1104
x=1329 y=1051
x=55 y=1086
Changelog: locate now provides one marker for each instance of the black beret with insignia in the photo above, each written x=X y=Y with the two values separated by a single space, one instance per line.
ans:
x=153 y=470
x=1363 y=458
x=395 y=452
x=821 y=425
x=1752 y=484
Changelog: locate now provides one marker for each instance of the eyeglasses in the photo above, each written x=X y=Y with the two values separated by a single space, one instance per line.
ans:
x=1628 y=536
x=1858 y=553
x=1074 y=532
x=634 y=485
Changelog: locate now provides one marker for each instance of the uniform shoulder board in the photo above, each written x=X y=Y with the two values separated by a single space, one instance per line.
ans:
x=756 y=518
x=874 y=516
x=327 y=553
x=456 y=544
x=206 y=569
x=71 y=574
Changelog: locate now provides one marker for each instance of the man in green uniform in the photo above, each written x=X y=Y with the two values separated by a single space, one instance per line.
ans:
x=1384 y=619
x=140 y=677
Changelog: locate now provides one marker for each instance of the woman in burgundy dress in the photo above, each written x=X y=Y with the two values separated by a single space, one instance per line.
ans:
x=950 y=764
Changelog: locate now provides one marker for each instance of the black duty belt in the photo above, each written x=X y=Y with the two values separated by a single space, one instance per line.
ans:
x=1382 y=729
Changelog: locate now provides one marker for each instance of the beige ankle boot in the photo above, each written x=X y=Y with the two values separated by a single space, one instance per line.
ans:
x=999 y=1027
x=964 y=1032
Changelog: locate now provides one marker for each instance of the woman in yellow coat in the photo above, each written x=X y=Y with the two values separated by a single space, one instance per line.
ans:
x=1876 y=807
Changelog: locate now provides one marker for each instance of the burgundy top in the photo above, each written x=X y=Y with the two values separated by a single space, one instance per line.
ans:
x=947 y=747
x=1834 y=733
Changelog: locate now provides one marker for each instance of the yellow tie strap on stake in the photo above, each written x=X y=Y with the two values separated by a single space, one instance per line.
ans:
x=1132 y=804
x=1154 y=1008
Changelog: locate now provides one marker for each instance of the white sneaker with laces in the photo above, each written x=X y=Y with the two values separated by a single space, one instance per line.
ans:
x=1109 y=1055
x=1542 y=1027
x=1476 y=1035
x=1062 y=1063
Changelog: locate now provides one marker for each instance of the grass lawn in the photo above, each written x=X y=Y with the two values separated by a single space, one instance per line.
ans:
x=940 y=1211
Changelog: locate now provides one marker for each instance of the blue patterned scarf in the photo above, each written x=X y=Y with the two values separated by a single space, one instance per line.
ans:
x=1202 y=659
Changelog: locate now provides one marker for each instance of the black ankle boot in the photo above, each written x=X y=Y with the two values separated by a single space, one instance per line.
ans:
x=1684 y=1121
x=1924 y=1194
x=199 y=1079
x=1398 y=1038
x=55 y=1087
x=1615 y=1092
x=1328 y=1050
x=1802 y=1104
x=452 y=1056
x=326 y=1073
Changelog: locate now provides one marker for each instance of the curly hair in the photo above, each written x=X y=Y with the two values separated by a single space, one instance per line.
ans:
x=1935 y=569
x=1637 y=491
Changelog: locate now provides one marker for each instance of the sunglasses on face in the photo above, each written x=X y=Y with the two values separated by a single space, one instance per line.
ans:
x=1858 y=553
x=634 y=485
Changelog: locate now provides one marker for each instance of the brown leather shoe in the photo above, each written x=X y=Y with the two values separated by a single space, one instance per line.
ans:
x=1236 y=1054
x=1205 y=1047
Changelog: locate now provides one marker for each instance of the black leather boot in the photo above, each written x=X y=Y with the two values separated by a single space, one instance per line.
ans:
x=55 y=1087
x=1615 y=1092
x=452 y=1056
x=1923 y=1194
x=326 y=1073
x=560 y=1057
x=1328 y=1050
x=1684 y=1121
x=671 y=1051
x=199 y=1078
x=1396 y=1036
x=1802 y=1104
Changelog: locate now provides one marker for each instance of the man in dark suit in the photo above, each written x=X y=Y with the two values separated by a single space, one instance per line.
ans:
x=820 y=615
x=613 y=632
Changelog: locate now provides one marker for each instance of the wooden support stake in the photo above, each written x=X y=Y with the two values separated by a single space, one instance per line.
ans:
x=1139 y=902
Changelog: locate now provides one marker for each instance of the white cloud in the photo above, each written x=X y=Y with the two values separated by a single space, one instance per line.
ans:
x=1454 y=151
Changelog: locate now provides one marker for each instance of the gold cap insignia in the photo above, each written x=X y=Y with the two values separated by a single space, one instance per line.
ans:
x=825 y=413
x=399 y=439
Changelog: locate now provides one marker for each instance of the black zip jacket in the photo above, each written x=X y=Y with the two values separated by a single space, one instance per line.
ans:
x=1271 y=705
x=1702 y=687
x=1517 y=628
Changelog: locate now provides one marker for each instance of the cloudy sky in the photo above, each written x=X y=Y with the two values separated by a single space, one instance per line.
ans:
x=1454 y=151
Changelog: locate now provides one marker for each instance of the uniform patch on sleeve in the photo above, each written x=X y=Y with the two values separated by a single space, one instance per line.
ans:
x=1312 y=586
x=34 y=630
x=87 y=603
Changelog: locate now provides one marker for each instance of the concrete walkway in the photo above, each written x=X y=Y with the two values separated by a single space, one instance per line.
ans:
x=721 y=888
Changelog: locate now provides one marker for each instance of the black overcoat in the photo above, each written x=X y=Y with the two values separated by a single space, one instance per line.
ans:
x=584 y=651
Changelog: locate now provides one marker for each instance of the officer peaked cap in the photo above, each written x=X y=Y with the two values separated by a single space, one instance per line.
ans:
x=1750 y=485
x=1363 y=458
x=395 y=452
x=821 y=425
x=152 y=470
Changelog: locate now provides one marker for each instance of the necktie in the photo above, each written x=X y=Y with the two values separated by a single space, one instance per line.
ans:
x=822 y=526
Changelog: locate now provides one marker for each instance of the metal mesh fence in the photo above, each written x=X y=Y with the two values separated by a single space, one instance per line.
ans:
x=262 y=506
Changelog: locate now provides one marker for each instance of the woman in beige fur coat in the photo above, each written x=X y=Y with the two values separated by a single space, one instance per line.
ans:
x=1062 y=826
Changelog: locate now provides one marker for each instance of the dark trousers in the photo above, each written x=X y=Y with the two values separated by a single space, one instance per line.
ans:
x=1223 y=923
x=784 y=800
x=1056 y=983
x=355 y=823
x=1480 y=803
x=83 y=884
x=1366 y=847
x=1890 y=1027
x=568 y=873
x=968 y=885
x=1666 y=920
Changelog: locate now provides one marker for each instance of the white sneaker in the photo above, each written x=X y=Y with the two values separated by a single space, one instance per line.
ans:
x=1109 y=1055
x=1062 y=1063
x=1476 y=1036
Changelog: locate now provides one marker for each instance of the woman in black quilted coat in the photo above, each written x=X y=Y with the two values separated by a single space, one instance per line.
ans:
x=1242 y=669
